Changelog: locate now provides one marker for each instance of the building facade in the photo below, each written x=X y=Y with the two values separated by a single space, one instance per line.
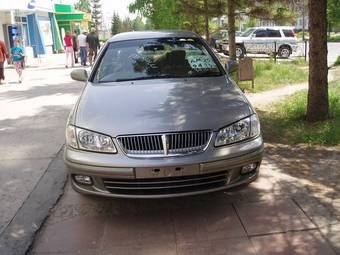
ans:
x=33 y=22
x=71 y=20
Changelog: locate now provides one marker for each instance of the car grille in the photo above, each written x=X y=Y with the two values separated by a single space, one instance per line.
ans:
x=165 y=144
x=167 y=185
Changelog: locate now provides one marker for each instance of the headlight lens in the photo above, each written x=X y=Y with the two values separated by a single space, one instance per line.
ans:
x=239 y=131
x=71 y=138
x=83 y=139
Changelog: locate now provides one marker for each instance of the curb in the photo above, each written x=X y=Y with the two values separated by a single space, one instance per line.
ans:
x=18 y=236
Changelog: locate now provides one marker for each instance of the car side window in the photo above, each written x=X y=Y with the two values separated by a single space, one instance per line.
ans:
x=288 y=33
x=260 y=33
x=273 y=33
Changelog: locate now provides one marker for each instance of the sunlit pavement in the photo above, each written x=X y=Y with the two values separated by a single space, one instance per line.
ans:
x=293 y=207
x=32 y=119
x=277 y=214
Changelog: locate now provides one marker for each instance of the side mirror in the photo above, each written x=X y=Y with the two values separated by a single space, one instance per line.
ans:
x=79 y=75
x=231 y=66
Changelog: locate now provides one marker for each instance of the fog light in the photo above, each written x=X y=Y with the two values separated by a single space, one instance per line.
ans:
x=83 y=179
x=248 y=168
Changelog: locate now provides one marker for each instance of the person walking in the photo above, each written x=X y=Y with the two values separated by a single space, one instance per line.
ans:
x=75 y=46
x=83 y=46
x=68 y=49
x=3 y=57
x=94 y=45
x=17 y=54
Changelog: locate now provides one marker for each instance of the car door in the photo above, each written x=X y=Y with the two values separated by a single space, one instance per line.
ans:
x=256 y=41
x=273 y=37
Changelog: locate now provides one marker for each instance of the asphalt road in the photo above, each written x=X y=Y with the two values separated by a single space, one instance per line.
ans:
x=32 y=120
x=333 y=52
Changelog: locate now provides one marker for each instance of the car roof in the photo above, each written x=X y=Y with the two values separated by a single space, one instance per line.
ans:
x=151 y=34
x=273 y=27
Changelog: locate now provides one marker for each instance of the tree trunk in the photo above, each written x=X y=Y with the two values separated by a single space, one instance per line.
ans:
x=231 y=29
x=303 y=20
x=206 y=21
x=317 y=107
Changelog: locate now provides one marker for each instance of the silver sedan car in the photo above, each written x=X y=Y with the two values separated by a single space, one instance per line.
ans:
x=159 y=116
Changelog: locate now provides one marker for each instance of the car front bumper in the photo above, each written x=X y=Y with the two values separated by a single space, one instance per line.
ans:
x=120 y=176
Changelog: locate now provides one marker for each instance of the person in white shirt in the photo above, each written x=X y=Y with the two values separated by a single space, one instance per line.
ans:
x=82 y=48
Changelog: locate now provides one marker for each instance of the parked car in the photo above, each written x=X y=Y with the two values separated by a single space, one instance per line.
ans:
x=224 y=40
x=265 y=40
x=160 y=117
x=217 y=37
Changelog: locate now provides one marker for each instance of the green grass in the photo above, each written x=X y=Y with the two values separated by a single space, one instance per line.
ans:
x=270 y=75
x=285 y=122
x=334 y=38
x=337 y=62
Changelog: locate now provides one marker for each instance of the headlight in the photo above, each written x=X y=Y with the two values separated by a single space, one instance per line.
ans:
x=71 y=138
x=239 y=131
x=83 y=139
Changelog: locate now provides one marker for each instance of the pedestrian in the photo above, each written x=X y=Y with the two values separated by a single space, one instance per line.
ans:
x=83 y=48
x=68 y=49
x=17 y=54
x=3 y=57
x=75 y=46
x=94 y=45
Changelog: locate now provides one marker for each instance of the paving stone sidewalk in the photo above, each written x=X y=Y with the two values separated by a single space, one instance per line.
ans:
x=292 y=208
x=278 y=214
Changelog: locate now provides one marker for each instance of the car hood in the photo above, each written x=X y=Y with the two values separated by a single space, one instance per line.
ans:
x=240 y=39
x=165 y=105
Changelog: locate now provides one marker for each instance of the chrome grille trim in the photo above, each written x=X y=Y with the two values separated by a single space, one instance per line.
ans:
x=165 y=144
x=167 y=185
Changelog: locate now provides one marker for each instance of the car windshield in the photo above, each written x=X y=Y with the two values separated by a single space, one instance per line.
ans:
x=155 y=58
x=247 y=32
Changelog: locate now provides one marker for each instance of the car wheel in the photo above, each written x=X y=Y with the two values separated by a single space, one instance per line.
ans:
x=240 y=52
x=284 y=52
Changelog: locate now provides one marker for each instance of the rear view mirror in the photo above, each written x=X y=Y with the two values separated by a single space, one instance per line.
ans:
x=79 y=75
x=231 y=66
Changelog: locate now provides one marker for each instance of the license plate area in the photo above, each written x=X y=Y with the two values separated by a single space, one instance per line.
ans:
x=172 y=171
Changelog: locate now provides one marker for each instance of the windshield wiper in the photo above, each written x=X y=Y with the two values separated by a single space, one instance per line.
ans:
x=147 y=78
x=206 y=74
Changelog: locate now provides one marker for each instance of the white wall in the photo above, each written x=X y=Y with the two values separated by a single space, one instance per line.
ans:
x=5 y=18
x=1 y=31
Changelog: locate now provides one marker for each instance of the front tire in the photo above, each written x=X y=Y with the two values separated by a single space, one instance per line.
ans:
x=240 y=51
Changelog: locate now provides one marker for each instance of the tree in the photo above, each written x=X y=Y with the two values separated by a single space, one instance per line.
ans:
x=127 y=25
x=204 y=8
x=231 y=30
x=116 y=24
x=96 y=14
x=83 y=5
x=317 y=106
x=333 y=10
x=138 y=24
x=160 y=14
